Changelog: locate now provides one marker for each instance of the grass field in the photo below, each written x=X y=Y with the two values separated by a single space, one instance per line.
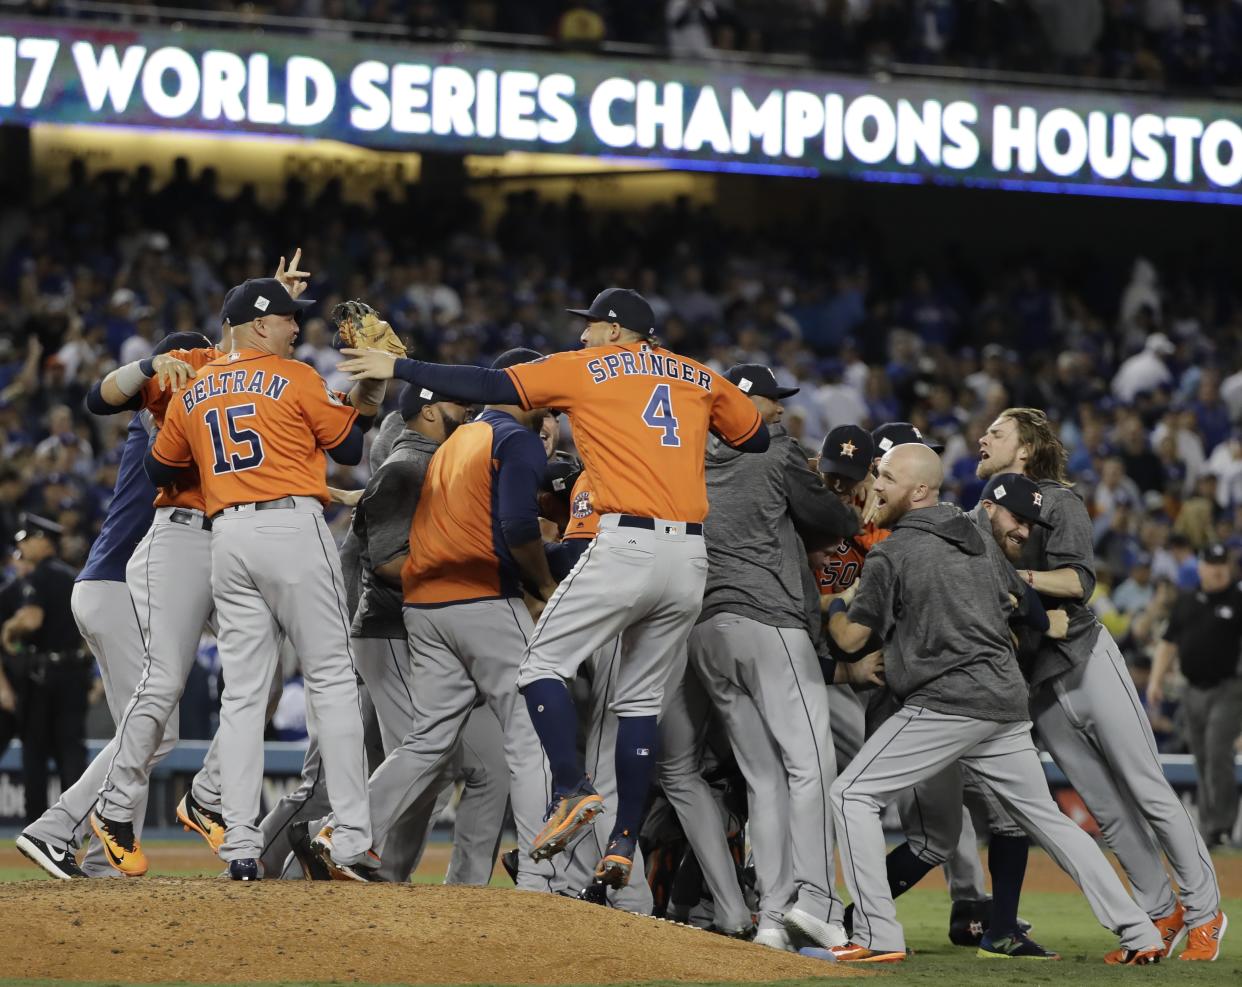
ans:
x=1062 y=921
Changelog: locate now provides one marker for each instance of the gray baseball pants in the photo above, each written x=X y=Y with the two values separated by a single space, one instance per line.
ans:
x=273 y=571
x=767 y=685
x=683 y=734
x=916 y=744
x=1092 y=723
x=1213 y=722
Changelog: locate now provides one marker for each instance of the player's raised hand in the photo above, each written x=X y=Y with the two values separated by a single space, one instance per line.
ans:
x=292 y=278
x=367 y=364
x=171 y=374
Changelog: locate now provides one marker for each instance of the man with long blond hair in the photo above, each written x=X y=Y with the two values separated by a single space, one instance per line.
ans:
x=1084 y=705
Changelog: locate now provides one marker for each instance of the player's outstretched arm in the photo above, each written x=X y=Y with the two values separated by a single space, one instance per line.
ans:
x=472 y=385
x=121 y=389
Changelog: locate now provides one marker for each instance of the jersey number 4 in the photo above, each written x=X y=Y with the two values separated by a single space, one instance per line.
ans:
x=659 y=414
x=238 y=437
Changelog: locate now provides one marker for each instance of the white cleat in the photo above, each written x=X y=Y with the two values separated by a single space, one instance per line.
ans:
x=820 y=933
x=774 y=939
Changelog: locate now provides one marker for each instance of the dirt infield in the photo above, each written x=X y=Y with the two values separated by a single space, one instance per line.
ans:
x=218 y=931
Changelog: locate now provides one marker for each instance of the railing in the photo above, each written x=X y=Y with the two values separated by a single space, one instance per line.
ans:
x=180 y=17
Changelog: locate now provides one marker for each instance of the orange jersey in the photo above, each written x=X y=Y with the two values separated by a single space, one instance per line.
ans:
x=640 y=418
x=843 y=563
x=256 y=426
x=583 y=521
x=458 y=551
x=188 y=492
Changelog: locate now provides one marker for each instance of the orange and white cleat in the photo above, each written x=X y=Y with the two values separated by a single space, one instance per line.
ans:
x=851 y=952
x=1172 y=928
x=206 y=823
x=1134 y=957
x=1204 y=943
x=120 y=845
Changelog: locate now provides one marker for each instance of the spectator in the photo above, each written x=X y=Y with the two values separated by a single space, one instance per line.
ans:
x=1211 y=413
x=1137 y=589
x=690 y=26
x=1144 y=371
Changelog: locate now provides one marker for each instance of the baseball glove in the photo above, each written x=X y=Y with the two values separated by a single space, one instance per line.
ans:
x=359 y=327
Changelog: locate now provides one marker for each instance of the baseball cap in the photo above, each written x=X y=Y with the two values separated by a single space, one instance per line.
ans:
x=511 y=358
x=754 y=378
x=414 y=398
x=34 y=525
x=1018 y=494
x=181 y=341
x=847 y=451
x=261 y=296
x=624 y=306
x=1216 y=554
x=561 y=474
x=899 y=434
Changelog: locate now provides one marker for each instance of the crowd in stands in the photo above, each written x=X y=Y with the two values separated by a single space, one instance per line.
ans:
x=1144 y=375
x=1182 y=44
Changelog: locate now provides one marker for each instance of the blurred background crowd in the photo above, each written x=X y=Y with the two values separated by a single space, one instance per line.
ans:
x=1166 y=43
x=1141 y=367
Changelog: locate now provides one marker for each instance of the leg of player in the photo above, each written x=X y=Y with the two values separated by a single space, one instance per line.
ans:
x=845 y=713
x=683 y=728
x=167 y=577
x=484 y=798
x=1009 y=766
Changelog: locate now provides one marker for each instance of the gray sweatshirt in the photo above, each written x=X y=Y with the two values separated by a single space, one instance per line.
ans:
x=939 y=591
x=382 y=527
x=765 y=511
x=1070 y=545
x=381 y=445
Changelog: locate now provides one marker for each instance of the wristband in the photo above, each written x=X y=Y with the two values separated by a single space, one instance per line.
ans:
x=1030 y=578
x=130 y=378
x=836 y=606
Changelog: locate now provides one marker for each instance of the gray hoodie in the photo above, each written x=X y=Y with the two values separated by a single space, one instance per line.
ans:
x=939 y=590
x=765 y=511
x=382 y=528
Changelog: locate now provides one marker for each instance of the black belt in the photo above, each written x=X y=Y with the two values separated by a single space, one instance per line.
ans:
x=262 y=505
x=630 y=521
x=190 y=518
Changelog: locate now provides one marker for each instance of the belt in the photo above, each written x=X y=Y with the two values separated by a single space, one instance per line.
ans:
x=630 y=521
x=191 y=519
x=261 y=505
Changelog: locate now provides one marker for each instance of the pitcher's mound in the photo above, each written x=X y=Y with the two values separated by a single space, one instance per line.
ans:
x=213 y=931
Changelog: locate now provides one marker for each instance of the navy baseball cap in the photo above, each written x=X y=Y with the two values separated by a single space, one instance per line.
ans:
x=261 y=296
x=624 y=306
x=847 y=451
x=1018 y=494
x=755 y=378
x=899 y=434
x=511 y=358
x=181 y=341
x=414 y=398
x=1217 y=554
x=561 y=474
x=36 y=526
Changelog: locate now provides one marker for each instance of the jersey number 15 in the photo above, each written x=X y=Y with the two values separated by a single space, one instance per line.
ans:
x=231 y=462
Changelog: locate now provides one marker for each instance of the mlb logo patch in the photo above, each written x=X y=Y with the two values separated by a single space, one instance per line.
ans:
x=999 y=491
x=744 y=385
x=261 y=303
x=582 y=504
x=425 y=394
x=886 y=444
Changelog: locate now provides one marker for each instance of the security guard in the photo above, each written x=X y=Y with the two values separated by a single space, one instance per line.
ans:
x=44 y=662
x=1205 y=637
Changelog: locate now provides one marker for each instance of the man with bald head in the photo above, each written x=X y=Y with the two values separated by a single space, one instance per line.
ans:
x=937 y=596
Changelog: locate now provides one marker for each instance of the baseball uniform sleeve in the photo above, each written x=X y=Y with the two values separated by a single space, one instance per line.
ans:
x=329 y=419
x=734 y=419
x=172 y=445
x=1070 y=543
x=818 y=514
x=874 y=603
x=547 y=383
x=387 y=505
x=522 y=461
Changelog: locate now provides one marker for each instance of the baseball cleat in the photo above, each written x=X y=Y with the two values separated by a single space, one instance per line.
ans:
x=746 y=934
x=968 y=920
x=509 y=860
x=357 y=871
x=59 y=862
x=596 y=893
x=851 y=952
x=803 y=925
x=120 y=845
x=313 y=869
x=203 y=821
x=614 y=869
x=774 y=939
x=246 y=869
x=1015 y=947
x=1134 y=957
x=1172 y=928
x=1204 y=943
x=567 y=813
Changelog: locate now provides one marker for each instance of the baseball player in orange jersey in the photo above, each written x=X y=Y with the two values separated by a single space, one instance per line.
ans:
x=255 y=424
x=640 y=417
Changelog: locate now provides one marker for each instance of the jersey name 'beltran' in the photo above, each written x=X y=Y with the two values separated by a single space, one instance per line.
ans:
x=649 y=364
x=234 y=382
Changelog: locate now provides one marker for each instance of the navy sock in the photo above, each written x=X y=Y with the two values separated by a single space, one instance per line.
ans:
x=1007 y=865
x=905 y=870
x=637 y=740
x=556 y=721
